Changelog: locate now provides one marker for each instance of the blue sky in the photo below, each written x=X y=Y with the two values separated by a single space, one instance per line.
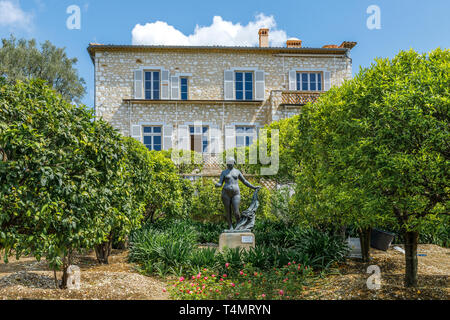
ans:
x=421 y=25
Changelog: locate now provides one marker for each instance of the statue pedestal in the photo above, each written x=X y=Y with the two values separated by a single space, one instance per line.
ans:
x=233 y=240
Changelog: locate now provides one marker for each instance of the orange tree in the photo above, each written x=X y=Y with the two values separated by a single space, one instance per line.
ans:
x=63 y=180
x=377 y=149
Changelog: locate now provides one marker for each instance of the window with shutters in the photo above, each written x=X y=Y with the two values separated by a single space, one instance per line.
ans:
x=199 y=138
x=309 y=81
x=152 y=85
x=153 y=138
x=244 y=85
x=245 y=136
x=184 y=88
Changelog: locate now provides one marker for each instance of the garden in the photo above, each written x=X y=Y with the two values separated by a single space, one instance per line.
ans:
x=372 y=153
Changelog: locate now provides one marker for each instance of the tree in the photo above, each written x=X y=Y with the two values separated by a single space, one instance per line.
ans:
x=377 y=148
x=156 y=182
x=21 y=60
x=63 y=182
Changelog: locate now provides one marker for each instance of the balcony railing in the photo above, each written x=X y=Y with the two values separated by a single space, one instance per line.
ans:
x=299 y=97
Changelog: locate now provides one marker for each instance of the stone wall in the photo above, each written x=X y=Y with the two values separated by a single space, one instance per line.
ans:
x=114 y=81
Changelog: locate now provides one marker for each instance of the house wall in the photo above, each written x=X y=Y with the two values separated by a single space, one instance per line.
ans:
x=114 y=81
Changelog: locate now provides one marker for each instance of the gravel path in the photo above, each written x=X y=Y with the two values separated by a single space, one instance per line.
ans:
x=29 y=279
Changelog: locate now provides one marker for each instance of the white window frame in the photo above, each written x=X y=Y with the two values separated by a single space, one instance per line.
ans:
x=299 y=84
x=151 y=83
x=152 y=134
x=244 y=85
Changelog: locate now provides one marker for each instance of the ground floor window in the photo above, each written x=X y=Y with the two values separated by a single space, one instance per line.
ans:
x=153 y=138
x=245 y=136
x=199 y=138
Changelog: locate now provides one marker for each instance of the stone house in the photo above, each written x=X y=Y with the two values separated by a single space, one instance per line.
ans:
x=216 y=96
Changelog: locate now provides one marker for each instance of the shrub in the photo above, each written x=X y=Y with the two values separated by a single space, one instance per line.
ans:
x=247 y=283
x=157 y=183
x=321 y=248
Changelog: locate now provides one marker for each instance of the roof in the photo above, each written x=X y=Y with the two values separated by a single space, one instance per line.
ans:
x=94 y=47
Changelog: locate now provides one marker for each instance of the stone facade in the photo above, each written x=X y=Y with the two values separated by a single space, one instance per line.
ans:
x=115 y=99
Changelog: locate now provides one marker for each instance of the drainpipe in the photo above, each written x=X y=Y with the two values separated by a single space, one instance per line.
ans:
x=129 y=115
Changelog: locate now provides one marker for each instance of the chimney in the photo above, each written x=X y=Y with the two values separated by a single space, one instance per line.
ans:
x=294 y=43
x=263 y=38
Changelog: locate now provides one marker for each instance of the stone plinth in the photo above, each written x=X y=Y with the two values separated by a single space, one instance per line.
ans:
x=233 y=240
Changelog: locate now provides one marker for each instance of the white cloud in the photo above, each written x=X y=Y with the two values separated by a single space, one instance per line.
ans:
x=220 y=32
x=11 y=15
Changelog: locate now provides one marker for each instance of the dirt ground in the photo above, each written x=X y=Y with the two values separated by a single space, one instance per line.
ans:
x=29 y=279
x=351 y=283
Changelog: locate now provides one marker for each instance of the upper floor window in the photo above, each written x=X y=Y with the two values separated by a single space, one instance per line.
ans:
x=153 y=138
x=309 y=81
x=152 y=85
x=245 y=136
x=244 y=85
x=184 y=88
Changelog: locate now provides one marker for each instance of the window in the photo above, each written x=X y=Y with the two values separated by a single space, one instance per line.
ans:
x=244 y=85
x=199 y=139
x=153 y=138
x=184 y=88
x=309 y=81
x=152 y=85
x=245 y=136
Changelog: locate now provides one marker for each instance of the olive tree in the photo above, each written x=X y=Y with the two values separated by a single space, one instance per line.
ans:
x=377 y=148
x=23 y=60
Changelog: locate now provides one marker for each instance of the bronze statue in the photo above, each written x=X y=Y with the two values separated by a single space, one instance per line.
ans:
x=231 y=195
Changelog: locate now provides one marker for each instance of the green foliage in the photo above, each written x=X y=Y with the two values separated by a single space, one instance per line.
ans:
x=195 y=164
x=288 y=142
x=375 y=151
x=153 y=248
x=63 y=181
x=207 y=203
x=22 y=60
x=156 y=182
x=162 y=252
x=247 y=284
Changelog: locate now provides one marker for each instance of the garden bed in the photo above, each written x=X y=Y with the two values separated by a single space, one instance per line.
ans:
x=29 y=279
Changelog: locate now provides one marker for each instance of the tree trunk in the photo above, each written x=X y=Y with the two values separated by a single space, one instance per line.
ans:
x=411 y=239
x=103 y=250
x=67 y=261
x=122 y=245
x=364 y=238
x=342 y=231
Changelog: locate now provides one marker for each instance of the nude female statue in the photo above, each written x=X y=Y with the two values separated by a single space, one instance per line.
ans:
x=231 y=195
